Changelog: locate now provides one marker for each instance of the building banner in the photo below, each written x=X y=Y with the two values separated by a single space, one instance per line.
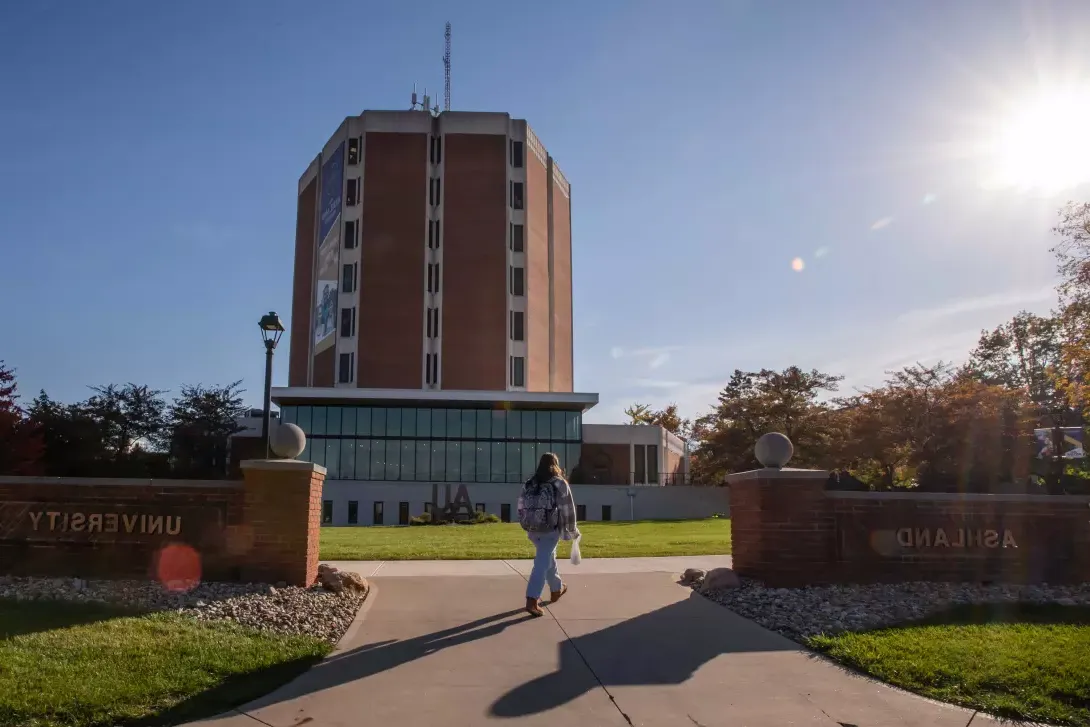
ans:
x=329 y=249
x=332 y=186
x=325 y=315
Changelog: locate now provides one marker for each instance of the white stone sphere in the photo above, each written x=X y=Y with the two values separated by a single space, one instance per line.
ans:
x=774 y=450
x=287 y=441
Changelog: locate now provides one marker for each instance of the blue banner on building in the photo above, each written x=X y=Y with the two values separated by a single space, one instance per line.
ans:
x=332 y=186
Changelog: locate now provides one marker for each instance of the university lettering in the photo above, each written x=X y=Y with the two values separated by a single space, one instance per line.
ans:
x=955 y=538
x=49 y=521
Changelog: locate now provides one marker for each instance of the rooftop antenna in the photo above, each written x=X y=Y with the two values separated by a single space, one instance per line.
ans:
x=446 y=70
x=413 y=107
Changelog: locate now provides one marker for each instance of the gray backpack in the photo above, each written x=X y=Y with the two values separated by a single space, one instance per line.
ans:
x=537 y=507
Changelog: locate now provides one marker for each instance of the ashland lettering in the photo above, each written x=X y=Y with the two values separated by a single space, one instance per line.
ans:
x=955 y=538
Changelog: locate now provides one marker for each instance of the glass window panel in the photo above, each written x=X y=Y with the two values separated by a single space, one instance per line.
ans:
x=363 y=421
x=639 y=455
x=484 y=424
x=558 y=425
x=558 y=448
x=454 y=461
x=333 y=459
x=482 y=461
x=454 y=423
x=408 y=455
x=363 y=459
x=333 y=420
x=499 y=426
x=423 y=460
x=573 y=456
x=653 y=464
x=378 y=422
x=438 y=461
x=438 y=423
x=408 y=424
x=544 y=422
x=514 y=425
x=318 y=419
x=423 y=423
x=469 y=459
x=317 y=451
x=378 y=459
x=303 y=419
x=497 y=471
x=529 y=425
x=514 y=462
x=529 y=459
x=305 y=454
x=393 y=458
x=393 y=422
x=469 y=424
x=287 y=414
x=571 y=426
x=348 y=459
x=348 y=420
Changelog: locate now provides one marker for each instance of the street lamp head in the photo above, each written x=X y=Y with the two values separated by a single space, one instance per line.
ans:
x=271 y=329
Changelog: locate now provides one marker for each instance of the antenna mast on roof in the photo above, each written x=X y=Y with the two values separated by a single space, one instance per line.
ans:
x=446 y=70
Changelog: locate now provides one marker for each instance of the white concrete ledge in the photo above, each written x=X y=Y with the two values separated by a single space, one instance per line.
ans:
x=771 y=473
x=115 y=482
x=282 y=465
x=955 y=496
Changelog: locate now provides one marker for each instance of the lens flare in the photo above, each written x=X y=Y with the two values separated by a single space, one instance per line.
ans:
x=178 y=567
x=798 y=265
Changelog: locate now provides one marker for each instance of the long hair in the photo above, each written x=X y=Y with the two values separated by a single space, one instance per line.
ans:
x=548 y=467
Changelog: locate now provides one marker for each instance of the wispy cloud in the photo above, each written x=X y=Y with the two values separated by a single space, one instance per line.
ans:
x=879 y=224
x=958 y=306
x=656 y=356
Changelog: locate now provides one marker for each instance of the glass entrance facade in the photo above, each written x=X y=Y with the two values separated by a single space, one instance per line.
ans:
x=436 y=444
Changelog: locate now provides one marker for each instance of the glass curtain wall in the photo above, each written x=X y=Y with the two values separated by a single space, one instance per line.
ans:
x=434 y=445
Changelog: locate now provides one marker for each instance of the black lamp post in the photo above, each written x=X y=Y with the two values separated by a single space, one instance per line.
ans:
x=271 y=330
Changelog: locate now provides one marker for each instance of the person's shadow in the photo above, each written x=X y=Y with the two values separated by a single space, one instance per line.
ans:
x=662 y=647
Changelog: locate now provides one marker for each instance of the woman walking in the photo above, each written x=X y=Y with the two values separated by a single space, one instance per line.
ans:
x=546 y=511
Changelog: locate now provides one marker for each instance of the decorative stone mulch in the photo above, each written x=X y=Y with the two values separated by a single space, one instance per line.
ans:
x=312 y=611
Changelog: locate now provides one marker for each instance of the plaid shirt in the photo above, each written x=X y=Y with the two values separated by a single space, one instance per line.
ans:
x=565 y=506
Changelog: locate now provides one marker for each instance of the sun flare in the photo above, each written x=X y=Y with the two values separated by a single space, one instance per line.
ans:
x=1044 y=143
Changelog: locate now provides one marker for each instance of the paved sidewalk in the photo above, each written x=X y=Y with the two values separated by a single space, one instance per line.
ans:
x=404 y=568
x=620 y=649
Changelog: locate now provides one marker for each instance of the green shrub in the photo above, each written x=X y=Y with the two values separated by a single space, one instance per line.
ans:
x=478 y=518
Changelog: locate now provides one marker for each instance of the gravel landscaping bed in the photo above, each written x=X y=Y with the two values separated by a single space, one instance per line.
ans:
x=800 y=613
x=312 y=611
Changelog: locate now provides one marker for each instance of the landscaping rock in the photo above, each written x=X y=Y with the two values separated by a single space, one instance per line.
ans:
x=720 y=579
x=799 y=613
x=311 y=611
x=336 y=580
x=692 y=577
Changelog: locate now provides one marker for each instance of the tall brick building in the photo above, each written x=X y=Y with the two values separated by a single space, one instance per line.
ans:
x=431 y=326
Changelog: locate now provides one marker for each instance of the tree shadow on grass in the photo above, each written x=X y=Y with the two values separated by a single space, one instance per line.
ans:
x=19 y=618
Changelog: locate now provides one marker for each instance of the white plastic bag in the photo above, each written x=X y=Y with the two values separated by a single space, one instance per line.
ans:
x=576 y=556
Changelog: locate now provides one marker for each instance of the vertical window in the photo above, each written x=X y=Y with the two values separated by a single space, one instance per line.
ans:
x=431 y=368
x=433 y=234
x=351 y=194
x=433 y=277
x=402 y=513
x=348 y=322
x=429 y=507
x=349 y=234
x=433 y=323
x=354 y=150
x=327 y=512
x=344 y=368
x=505 y=512
x=516 y=195
x=607 y=513
x=518 y=325
x=436 y=153
x=580 y=512
x=377 y=513
x=479 y=507
x=348 y=278
x=518 y=371
x=640 y=475
x=518 y=243
x=353 y=512
x=434 y=190
x=516 y=153
x=653 y=464
x=518 y=281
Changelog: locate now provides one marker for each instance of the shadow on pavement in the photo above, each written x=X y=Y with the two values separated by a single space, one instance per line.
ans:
x=662 y=647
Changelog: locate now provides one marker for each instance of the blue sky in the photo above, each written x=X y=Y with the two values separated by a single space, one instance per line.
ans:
x=150 y=153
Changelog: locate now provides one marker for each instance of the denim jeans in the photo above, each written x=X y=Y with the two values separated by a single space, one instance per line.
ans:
x=544 y=564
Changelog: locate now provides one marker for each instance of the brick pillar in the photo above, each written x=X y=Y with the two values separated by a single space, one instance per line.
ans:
x=282 y=513
x=781 y=526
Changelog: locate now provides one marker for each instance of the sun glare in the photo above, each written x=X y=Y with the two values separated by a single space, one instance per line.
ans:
x=1045 y=143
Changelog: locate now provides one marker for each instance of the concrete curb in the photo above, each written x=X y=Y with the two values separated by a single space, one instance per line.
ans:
x=353 y=627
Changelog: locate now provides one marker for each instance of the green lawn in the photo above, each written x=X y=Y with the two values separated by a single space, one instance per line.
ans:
x=1031 y=664
x=85 y=665
x=508 y=541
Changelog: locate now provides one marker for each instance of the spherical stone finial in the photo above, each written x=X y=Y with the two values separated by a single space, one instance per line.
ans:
x=287 y=441
x=774 y=450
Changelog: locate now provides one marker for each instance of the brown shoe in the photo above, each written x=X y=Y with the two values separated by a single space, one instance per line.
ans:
x=555 y=595
x=534 y=608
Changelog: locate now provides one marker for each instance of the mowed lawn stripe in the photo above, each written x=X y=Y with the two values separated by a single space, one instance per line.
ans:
x=507 y=541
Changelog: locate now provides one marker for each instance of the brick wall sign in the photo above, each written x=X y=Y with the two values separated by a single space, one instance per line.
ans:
x=46 y=522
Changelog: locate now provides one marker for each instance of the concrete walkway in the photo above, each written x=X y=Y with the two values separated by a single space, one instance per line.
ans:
x=462 y=568
x=620 y=649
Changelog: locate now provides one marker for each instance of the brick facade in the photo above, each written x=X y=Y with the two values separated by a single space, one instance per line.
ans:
x=788 y=530
x=264 y=529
